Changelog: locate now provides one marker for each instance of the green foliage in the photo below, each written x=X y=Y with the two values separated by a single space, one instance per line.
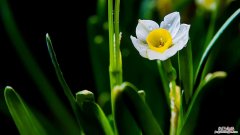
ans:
x=190 y=117
x=186 y=71
x=92 y=118
x=114 y=60
x=126 y=95
x=23 y=117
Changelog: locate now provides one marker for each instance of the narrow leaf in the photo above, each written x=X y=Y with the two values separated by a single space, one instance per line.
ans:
x=25 y=121
x=58 y=71
x=214 y=39
x=61 y=79
x=128 y=95
x=186 y=71
x=193 y=109
x=123 y=120
x=92 y=117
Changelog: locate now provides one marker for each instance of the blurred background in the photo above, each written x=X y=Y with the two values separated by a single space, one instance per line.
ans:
x=78 y=31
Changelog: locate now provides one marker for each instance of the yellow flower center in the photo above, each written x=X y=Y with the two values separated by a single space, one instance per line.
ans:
x=159 y=40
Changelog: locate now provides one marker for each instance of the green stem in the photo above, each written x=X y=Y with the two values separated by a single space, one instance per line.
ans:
x=111 y=31
x=115 y=68
x=173 y=122
x=173 y=96
x=163 y=77
x=116 y=26
x=174 y=109
x=170 y=70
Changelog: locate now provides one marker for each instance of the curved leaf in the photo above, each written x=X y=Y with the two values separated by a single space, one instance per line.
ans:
x=214 y=39
x=192 y=112
x=25 y=121
x=186 y=71
x=92 y=118
x=127 y=95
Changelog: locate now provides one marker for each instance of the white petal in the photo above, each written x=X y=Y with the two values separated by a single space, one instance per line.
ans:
x=144 y=27
x=140 y=46
x=181 y=43
x=171 y=22
x=182 y=33
x=176 y=47
x=153 y=55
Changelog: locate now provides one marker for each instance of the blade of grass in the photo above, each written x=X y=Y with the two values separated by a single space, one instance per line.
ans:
x=91 y=109
x=127 y=93
x=123 y=120
x=214 y=39
x=25 y=121
x=190 y=118
x=186 y=71
x=58 y=71
x=61 y=79
x=92 y=118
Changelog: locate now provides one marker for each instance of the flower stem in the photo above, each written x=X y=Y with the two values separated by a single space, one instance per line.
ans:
x=174 y=96
x=170 y=70
x=111 y=30
x=115 y=67
x=163 y=77
x=174 y=109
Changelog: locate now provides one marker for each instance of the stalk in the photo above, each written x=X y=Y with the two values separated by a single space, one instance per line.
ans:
x=174 y=96
x=115 y=62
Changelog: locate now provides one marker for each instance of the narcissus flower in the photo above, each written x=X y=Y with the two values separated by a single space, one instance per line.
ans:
x=210 y=5
x=160 y=43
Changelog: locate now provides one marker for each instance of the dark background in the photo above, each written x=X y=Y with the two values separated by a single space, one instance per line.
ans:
x=66 y=23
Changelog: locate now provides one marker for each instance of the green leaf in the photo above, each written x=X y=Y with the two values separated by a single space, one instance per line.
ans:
x=127 y=95
x=25 y=121
x=58 y=71
x=186 y=71
x=190 y=118
x=123 y=120
x=61 y=79
x=214 y=39
x=92 y=117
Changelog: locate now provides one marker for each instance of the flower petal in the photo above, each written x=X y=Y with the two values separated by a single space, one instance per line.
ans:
x=176 y=47
x=182 y=33
x=171 y=22
x=144 y=27
x=153 y=55
x=181 y=43
x=140 y=46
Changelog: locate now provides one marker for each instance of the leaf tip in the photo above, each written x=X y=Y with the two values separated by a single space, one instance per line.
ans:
x=7 y=90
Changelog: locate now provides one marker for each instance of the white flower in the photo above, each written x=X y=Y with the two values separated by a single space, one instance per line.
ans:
x=154 y=42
